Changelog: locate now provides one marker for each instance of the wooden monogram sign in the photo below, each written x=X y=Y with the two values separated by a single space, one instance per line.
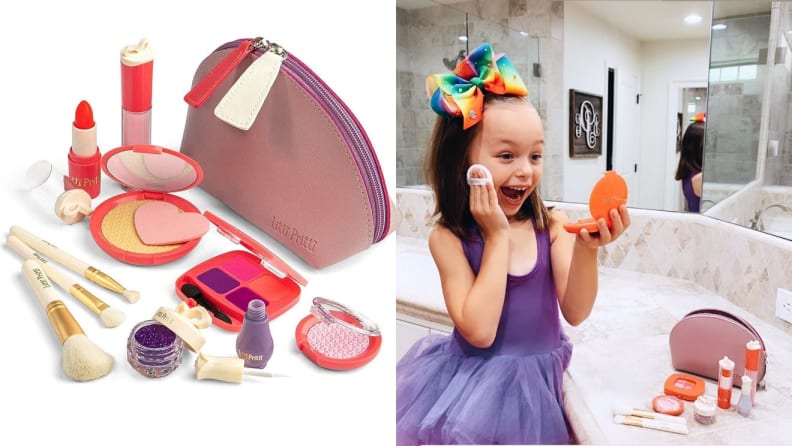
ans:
x=585 y=124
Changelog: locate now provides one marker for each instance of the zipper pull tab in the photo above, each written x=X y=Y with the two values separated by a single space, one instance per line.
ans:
x=206 y=86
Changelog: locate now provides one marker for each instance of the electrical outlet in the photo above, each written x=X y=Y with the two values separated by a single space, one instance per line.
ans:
x=784 y=304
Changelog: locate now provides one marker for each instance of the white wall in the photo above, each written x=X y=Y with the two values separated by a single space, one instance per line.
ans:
x=590 y=47
x=664 y=63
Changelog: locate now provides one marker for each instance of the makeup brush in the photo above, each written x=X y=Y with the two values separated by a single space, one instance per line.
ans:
x=110 y=317
x=82 y=359
x=73 y=263
x=226 y=368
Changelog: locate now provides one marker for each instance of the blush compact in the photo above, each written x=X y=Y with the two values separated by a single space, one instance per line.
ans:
x=148 y=225
x=225 y=284
x=336 y=337
x=610 y=192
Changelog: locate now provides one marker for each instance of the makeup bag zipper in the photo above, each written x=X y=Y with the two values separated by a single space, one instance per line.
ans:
x=342 y=117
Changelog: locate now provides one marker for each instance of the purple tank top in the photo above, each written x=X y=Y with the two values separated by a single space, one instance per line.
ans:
x=529 y=322
x=693 y=201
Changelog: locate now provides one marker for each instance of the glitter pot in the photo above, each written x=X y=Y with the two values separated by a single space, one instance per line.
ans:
x=336 y=337
x=153 y=350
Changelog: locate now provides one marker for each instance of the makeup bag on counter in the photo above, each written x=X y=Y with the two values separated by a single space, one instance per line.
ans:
x=279 y=148
x=703 y=337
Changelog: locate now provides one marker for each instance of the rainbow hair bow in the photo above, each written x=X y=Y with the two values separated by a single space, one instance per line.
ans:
x=462 y=93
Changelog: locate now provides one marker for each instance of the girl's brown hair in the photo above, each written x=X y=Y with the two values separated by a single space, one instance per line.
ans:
x=690 y=157
x=446 y=169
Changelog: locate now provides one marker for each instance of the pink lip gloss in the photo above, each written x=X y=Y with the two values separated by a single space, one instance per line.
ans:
x=137 y=64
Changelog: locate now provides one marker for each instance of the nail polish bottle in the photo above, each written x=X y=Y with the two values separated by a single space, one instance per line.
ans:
x=254 y=342
x=744 y=405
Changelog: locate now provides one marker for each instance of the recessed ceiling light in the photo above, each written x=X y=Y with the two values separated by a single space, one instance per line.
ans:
x=523 y=33
x=462 y=38
x=692 y=19
x=719 y=26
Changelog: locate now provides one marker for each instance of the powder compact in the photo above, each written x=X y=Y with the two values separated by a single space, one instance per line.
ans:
x=610 y=192
x=226 y=284
x=148 y=225
x=683 y=386
x=336 y=337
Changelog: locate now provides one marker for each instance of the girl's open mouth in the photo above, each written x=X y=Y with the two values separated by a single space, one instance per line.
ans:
x=513 y=194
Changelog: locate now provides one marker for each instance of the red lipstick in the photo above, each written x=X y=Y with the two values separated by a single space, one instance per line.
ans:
x=137 y=65
x=84 y=156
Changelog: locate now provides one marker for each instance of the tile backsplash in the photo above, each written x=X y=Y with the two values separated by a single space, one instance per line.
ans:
x=744 y=266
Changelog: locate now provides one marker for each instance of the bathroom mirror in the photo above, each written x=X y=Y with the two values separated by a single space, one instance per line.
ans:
x=628 y=49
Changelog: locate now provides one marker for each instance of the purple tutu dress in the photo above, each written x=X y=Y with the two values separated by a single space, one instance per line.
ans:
x=450 y=392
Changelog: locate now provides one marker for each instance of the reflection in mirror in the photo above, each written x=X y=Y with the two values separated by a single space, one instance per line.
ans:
x=640 y=57
x=762 y=201
x=160 y=172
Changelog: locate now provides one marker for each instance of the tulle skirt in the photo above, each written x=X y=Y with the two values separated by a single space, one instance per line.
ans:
x=444 y=396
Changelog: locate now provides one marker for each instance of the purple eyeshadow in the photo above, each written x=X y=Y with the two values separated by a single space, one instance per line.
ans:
x=218 y=280
x=243 y=296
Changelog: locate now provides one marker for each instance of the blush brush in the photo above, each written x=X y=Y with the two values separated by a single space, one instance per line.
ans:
x=82 y=359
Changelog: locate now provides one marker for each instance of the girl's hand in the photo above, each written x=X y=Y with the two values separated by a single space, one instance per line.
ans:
x=620 y=219
x=485 y=209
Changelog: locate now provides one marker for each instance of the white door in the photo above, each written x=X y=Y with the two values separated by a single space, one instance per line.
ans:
x=626 y=125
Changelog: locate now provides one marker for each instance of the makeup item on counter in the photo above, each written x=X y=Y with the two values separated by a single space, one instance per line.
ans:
x=194 y=293
x=137 y=67
x=227 y=368
x=154 y=347
x=668 y=405
x=232 y=279
x=83 y=360
x=725 y=382
x=704 y=409
x=648 y=415
x=71 y=206
x=610 y=192
x=744 y=404
x=74 y=264
x=254 y=342
x=676 y=428
x=110 y=317
x=326 y=198
x=336 y=337
x=473 y=181
x=685 y=387
x=753 y=353
x=151 y=173
x=702 y=337
x=84 y=157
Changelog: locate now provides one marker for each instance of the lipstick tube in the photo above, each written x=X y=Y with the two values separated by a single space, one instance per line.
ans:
x=137 y=66
x=84 y=157
x=753 y=350
x=725 y=382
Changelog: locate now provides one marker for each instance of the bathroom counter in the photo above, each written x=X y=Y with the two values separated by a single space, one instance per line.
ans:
x=621 y=356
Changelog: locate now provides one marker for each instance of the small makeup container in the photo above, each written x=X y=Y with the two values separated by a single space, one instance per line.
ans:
x=254 y=343
x=753 y=352
x=610 y=192
x=46 y=185
x=725 y=382
x=154 y=347
x=704 y=409
x=151 y=173
x=230 y=281
x=744 y=404
x=336 y=337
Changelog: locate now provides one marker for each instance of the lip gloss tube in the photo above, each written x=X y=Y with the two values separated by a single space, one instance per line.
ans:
x=137 y=66
x=725 y=382
x=753 y=350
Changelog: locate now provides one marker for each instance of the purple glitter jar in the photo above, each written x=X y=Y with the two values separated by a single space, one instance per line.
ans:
x=153 y=350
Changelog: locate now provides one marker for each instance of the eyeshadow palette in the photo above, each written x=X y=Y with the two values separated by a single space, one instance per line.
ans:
x=231 y=280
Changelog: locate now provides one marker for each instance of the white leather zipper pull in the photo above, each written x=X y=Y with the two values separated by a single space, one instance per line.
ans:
x=241 y=104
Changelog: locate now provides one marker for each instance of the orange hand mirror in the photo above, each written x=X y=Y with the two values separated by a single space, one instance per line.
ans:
x=610 y=192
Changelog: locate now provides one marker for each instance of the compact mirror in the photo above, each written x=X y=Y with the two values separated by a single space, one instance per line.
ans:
x=151 y=168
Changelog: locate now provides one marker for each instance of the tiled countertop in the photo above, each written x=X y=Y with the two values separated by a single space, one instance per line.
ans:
x=621 y=356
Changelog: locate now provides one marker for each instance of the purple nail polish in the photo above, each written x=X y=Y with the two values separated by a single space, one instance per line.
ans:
x=254 y=343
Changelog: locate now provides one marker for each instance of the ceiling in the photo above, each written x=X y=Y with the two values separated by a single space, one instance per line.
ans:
x=647 y=20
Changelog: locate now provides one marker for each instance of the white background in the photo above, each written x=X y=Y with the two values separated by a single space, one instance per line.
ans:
x=55 y=54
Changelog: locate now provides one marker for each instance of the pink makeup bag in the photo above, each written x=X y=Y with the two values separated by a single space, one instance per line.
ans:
x=279 y=148
x=703 y=337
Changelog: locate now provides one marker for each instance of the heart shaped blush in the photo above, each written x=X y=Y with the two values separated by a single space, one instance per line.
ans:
x=160 y=223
